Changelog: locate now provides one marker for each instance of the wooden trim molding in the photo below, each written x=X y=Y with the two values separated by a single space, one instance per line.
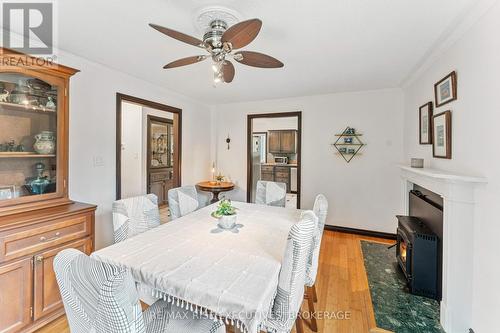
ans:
x=363 y=232
x=177 y=128
x=15 y=59
x=252 y=116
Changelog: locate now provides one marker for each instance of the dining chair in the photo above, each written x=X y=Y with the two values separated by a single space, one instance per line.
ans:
x=270 y=193
x=182 y=201
x=135 y=215
x=292 y=277
x=320 y=209
x=101 y=298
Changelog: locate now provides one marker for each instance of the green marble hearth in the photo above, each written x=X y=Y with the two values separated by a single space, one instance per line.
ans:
x=395 y=308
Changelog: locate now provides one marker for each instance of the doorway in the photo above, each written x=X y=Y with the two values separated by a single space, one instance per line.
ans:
x=148 y=148
x=274 y=153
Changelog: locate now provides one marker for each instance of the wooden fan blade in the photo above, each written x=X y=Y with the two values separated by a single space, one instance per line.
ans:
x=256 y=59
x=243 y=33
x=185 y=61
x=228 y=71
x=178 y=35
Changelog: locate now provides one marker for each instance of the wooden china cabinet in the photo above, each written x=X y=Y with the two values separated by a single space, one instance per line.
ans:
x=37 y=218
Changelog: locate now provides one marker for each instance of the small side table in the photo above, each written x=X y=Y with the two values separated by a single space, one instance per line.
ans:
x=215 y=188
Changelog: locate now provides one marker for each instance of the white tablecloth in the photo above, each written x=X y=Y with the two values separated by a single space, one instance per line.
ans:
x=234 y=275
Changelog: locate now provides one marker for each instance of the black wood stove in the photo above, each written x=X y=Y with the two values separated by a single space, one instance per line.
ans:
x=419 y=246
x=417 y=255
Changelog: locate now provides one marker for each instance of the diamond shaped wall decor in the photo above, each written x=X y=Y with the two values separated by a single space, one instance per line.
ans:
x=348 y=144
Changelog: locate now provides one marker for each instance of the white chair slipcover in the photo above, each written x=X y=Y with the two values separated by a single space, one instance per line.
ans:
x=182 y=201
x=320 y=209
x=290 y=293
x=270 y=193
x=101 y=298
x=135 y=215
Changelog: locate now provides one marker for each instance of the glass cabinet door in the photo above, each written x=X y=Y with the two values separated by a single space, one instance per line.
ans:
x=29 y=162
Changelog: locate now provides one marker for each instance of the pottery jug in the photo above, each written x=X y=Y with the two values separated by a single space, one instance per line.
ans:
x=45 y=143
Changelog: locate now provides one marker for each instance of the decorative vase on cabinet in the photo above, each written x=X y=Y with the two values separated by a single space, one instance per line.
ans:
x=45 y=143
x=37 y=218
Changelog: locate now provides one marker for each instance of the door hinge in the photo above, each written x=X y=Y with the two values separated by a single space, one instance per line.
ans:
x=64 y=183
x=31 y=311
x=65 y=91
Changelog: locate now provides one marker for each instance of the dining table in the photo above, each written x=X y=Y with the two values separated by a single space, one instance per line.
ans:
x=230 y=274
x=215 y=188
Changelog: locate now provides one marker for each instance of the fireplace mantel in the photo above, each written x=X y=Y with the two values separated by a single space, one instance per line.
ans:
x=458 y=192
x=443 y=175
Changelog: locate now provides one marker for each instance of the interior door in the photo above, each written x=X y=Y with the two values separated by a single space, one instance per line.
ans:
x=15 y=300
x=158 y=181
x=46 y=291
x=161 y=157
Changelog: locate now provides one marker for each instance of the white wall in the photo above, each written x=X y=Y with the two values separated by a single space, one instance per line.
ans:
x=92 y=134
x=269 y=124
x=134 y=147
x=475 y=123
x=362 y=194
x=132 y=151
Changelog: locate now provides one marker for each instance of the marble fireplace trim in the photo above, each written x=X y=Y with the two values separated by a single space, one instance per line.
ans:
x=458 y=194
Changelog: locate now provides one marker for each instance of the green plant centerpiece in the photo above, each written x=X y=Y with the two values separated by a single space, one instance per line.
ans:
x=226 y=213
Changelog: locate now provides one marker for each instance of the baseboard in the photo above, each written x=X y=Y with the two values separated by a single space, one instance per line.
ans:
x=362 y=232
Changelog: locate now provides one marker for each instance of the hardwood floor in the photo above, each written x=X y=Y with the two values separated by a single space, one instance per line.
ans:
x=342 y=288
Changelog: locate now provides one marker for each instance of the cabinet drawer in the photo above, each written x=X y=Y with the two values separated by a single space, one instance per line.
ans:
x=282 y=169
x=267 y=177
x=266 y=168
x=281 y=179
x=281 y=175
x=159 y=176
x=27 y=240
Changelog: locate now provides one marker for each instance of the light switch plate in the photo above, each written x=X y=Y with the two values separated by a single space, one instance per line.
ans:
x=98 y=161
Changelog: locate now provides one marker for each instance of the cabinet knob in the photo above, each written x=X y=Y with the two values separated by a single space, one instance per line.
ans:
x=39 y=258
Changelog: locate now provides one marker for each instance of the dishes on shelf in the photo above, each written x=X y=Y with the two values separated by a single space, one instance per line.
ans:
x=29 y=115
x=26 y=107
x=348 y=144
x=27 y=93
x=40 y=184
x=45 y=143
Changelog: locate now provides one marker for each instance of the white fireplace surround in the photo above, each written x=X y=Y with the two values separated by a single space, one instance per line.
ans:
x=458 y=194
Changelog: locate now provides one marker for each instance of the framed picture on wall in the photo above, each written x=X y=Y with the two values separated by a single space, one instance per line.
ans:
x=425 y=124
x=445 y=90
x=441 y=146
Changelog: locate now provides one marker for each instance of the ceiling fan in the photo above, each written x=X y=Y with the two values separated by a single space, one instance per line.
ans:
x=220 y=42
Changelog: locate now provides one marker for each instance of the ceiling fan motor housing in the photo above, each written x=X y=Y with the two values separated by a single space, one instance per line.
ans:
x=213 y=36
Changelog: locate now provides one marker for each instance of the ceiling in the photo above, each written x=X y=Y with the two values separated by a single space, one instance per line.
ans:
x=327 y=45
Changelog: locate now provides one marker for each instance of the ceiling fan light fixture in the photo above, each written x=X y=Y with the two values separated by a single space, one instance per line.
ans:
x=216 y=67
x=220 y=42
x=218 y=78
